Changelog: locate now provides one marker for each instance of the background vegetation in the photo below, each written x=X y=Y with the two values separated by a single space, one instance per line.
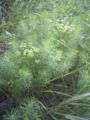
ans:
x=45 y=72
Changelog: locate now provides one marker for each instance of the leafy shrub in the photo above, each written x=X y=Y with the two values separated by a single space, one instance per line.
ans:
x=48 y=42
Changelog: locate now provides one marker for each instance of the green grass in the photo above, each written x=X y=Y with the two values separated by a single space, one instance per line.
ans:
x=46 y=69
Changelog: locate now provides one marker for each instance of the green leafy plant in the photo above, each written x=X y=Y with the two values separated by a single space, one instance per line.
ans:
x=48 y=59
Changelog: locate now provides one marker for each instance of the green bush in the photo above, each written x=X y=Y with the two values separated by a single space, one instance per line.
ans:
x=48 y=42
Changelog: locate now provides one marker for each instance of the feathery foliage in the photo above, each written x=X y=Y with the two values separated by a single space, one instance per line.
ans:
x=48 y=59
